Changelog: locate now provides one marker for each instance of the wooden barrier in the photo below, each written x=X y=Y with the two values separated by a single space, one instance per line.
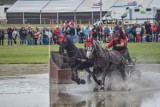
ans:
x=59 y=74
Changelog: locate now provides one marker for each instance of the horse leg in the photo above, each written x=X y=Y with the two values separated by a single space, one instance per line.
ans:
x=121 y=68
x=89 y=75
x=94 y=76
x=109 y=85
x=75 y=76
x=103 y=79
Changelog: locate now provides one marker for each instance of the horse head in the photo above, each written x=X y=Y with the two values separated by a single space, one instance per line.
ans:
x=62 y=46
x=93 y=50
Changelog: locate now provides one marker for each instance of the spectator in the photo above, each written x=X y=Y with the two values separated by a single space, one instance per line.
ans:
x=100 y=30
x=30 y=36
x=138 y=32
x=68 y=32
x=154 y=32
x=36 y=35
x=40 y=38
x=65 y=24
x=86 y=29
x=50 y=35
x=45 y=36
x=72 y=23
x=106 y=31
x=1 y=36
x=148 y=30
x=14 y=35
x=133 y=32
x=72 y=33
x=81 y=35
x=142 y=31
x=22 y=33
x=9 y=31
x=94 y=32
x=158 y=37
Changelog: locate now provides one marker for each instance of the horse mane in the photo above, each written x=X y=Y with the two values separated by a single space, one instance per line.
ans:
x=98 y=46
x=71 y=43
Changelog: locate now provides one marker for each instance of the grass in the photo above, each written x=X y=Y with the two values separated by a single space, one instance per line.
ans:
x=144 y=52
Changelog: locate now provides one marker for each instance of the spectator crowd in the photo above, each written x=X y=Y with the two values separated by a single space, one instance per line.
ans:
x=146 y=32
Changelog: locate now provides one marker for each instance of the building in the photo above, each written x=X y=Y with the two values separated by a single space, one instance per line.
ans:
x=4 y=5
x=57 y=11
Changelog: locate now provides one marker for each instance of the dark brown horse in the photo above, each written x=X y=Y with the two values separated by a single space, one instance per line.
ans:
x=77 y=61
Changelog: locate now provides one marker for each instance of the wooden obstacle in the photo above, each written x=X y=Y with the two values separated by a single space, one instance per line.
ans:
x=60 y=73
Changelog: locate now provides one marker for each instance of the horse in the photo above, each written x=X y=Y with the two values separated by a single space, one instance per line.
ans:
x=78 y=61
x=105 y=60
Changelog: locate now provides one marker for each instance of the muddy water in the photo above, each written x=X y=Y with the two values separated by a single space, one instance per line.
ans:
x=24 y=91
x=143 y=91
x=34 y=91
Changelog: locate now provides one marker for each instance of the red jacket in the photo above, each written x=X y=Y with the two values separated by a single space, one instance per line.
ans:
x=57 y=31
x=119 y=49
x=61 y=37
x=154 y=28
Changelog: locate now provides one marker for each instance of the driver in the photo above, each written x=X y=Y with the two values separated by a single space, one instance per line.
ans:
x=118 y=44
x=123 y=36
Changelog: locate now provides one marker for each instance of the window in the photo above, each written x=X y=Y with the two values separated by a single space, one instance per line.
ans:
x=148 y=9
x=136 y=10
x=5 y=9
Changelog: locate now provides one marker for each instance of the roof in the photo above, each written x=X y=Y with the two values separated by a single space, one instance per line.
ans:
x=51 y=6
x=28 y=6
x=62 y=6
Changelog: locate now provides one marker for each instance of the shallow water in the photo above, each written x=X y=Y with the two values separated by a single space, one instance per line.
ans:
x=24 y=91
x=144 y=92
x=34 y=91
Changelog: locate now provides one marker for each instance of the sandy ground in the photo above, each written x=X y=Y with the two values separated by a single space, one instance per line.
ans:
x=22 y=69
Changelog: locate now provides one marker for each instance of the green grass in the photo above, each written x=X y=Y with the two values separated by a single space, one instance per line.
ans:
x=144 y=52
x=24 y=54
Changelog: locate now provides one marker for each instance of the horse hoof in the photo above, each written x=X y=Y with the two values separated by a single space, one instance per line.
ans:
x=109 y=89
x=102 y=89
x=99 y=82
x=82 y=81
x=95 y=89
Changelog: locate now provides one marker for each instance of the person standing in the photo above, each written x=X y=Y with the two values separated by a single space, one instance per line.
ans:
x=138 y=32
x=9 y=31
x=14 y=35
x=30 y=36
x=106 y=31
x=1 y=36
x=100 y=31
x=148 y=30
x=36 y=35
x=94 y=32
x=154 y=32
x=22 y=33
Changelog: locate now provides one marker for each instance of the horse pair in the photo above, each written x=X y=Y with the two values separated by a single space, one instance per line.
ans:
x=101 y=60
